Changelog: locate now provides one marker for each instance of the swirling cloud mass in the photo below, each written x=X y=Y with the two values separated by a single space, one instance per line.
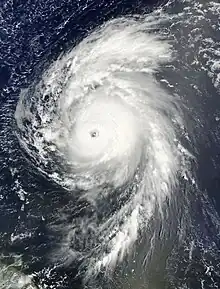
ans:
x=100 y=123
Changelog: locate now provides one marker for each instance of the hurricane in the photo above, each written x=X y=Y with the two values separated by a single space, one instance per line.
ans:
x=100 y=114
x=109 y=125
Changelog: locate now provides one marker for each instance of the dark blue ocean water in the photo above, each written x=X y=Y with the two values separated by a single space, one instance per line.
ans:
x=32 y=34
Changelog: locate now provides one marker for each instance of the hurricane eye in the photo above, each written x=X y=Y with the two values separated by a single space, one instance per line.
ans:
x=94 y=134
